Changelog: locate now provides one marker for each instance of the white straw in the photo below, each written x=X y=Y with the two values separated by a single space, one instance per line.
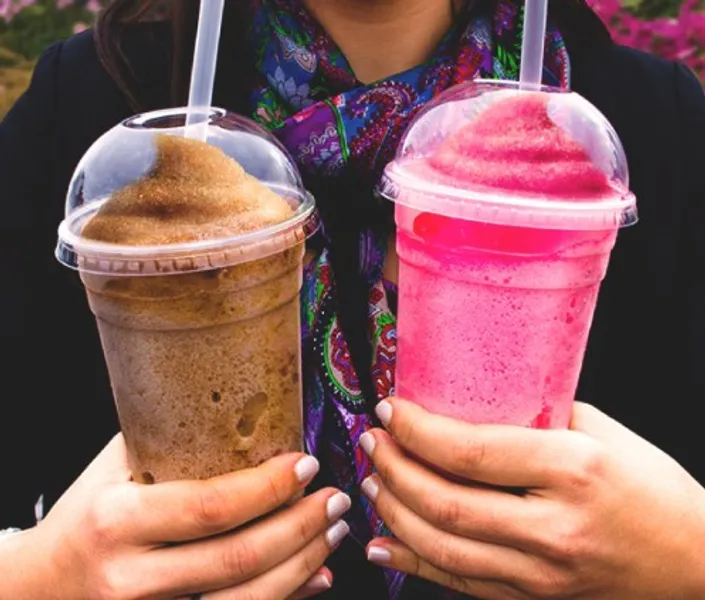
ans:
x=532 y=47
x=205 y=59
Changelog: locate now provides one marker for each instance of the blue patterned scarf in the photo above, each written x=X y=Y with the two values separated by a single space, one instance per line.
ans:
x=308 y=95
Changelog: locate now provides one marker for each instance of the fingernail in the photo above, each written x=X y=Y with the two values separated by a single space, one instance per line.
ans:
x=337 y=533
x=306 y=469
x=367 y=442
x=379 y=556
x=337 y=506
x=370 y=488
x=384 y=412
x=318 y=583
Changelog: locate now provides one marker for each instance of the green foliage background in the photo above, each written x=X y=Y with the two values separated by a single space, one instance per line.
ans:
x=39 y=25
x=24 y=38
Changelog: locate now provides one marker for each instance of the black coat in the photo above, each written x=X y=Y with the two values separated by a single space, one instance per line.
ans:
x=645 y=363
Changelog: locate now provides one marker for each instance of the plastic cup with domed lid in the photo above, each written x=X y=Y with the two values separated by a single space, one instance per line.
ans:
x=508 y=204
x=191 y=254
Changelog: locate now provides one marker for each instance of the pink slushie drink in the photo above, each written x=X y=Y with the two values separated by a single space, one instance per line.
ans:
x=505 y=224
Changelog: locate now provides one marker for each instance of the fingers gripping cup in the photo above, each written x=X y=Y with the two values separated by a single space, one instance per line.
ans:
x=508 y=204
x=191 y=255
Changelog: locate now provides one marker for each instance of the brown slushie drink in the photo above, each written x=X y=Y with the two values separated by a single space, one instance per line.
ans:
x=193 y=272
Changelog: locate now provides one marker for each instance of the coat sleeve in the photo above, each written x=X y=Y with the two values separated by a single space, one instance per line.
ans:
x=26 y=147
x=691 y=110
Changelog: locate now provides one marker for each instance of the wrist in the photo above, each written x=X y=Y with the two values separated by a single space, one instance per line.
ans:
x=695 y=573
x=25 y=566
x=699 y=589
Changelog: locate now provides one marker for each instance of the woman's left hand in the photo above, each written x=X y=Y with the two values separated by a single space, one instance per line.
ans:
x=594 y=512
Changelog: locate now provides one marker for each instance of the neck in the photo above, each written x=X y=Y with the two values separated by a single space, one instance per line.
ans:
x=380 y=38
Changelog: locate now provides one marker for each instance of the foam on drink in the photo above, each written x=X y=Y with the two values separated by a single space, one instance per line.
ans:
x=514 y=146
x=193 y=192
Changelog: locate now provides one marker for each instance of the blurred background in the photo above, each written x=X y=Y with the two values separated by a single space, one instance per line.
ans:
x=674 y=29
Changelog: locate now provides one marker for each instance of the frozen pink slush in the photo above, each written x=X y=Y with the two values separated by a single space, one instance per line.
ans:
x=494 y=318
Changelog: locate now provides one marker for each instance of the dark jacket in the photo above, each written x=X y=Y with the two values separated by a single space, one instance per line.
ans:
x=645 y=363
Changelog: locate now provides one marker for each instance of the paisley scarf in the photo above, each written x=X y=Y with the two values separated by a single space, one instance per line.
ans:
x=307 y=94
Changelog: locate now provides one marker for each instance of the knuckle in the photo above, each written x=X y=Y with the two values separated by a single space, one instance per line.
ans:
x=209 y=508
x=469 y=455
x=106 y=515
x=549 y=584
x=405 y=432
x=564 y=542
x=308 y=525
x=443 y=556
x=414 y=567
x=388 y=514
x=385 y=470
x=111 y=583
x=275 y=490
x=312 y=560
x=588 y=466
x=241 y=560
x=444 y=511
x=250 y=594
x=458 y=583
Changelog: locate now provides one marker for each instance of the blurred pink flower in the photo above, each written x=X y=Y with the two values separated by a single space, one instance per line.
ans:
x=10 y=8
x=681 y=38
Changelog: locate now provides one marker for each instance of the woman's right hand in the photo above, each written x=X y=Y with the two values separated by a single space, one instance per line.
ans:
x=109 y=538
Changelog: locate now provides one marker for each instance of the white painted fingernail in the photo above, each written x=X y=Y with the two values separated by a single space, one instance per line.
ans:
x=318 y=583
x=337 y=533
x=337 y=506
x=370 y=488
x=384 y=412
x=379 y=556
x=367 y=442
x=306 y=469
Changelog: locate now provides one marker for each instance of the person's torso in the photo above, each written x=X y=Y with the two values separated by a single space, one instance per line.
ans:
x=632 y=360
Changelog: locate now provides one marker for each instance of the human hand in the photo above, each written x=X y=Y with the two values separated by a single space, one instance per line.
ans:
x=110 y=538
x=591 y=513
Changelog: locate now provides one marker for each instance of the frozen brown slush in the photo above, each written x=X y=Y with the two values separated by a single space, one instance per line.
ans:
x=204 y=362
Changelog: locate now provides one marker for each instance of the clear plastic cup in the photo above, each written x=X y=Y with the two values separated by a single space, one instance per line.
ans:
x=201 y=337
x=506 y=216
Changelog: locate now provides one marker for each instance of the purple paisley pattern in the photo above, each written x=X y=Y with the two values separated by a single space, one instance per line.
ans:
x=308 y=96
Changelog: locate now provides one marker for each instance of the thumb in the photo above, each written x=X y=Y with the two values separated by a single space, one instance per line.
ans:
x=110 y=466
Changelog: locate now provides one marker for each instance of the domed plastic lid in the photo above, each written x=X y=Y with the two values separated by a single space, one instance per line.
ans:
x=148 y=199
x=491 y=152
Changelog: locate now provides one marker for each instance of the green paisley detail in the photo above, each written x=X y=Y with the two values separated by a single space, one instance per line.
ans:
x=382 y=321
x=301 y=37
x=340 y=128
x=357 y=399
x=509 y=58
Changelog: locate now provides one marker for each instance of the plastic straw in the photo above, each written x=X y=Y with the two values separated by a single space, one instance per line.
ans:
x=205 y=59
x=532 y=46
